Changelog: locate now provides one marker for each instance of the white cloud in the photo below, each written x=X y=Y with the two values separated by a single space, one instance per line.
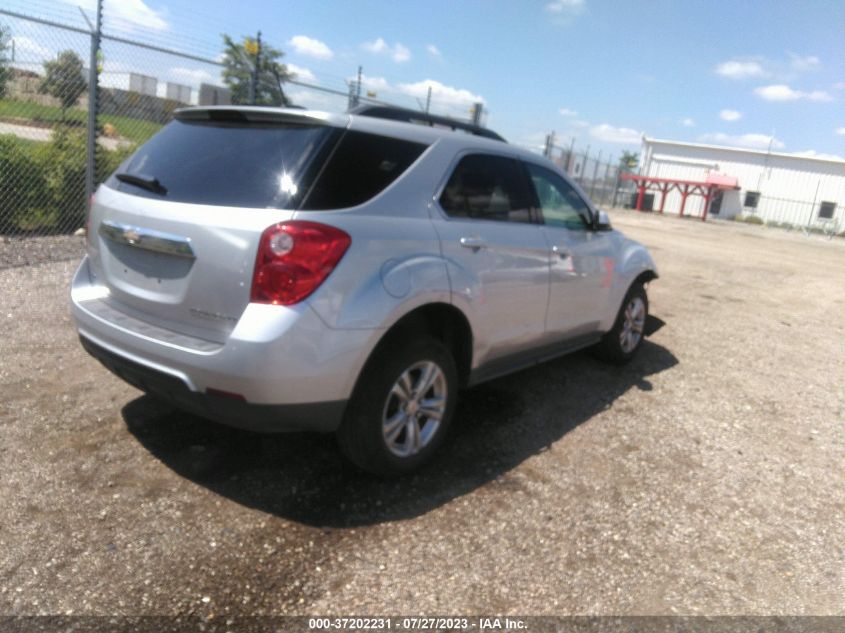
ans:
x=126 y=13
x=433 y=51
x=804 y=63
x=565 y=6
x=579 y=123
x=688 y=122
x=317 y=100
x=840 y=131
x=782 y=92
x=739 y=69
x=611 y=134
x=730 y=115
x=302 y=74
x=751 y=141
x=376 y=46
x=310 y=47
x=399 y=53
x=193 y=76
x=376 y=84
x=568 y=112
x=441 y=95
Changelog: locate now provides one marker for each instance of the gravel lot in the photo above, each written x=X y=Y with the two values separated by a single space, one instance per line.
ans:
x=705 y=478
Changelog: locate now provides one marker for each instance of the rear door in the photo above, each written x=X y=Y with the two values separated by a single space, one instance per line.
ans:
x=174 y=232
x=580 y=259
x=496 y=253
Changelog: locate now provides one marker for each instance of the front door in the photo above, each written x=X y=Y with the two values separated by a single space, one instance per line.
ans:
x=716 y=203
x=580 y=259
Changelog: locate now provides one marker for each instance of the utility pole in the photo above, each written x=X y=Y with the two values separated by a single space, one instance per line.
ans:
x=93 y=103
x=256 y=68
x=358 y=89
x=428 y=100
x=550 y=143
x=568 y=167
x=477 y=109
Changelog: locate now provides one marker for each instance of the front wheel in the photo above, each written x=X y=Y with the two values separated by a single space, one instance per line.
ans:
x=621 y=343
x=401 y=408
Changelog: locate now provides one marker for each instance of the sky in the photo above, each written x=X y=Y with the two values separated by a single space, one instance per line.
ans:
x=599 y=73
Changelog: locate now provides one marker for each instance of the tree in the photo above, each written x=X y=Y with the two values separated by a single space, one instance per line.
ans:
x=5 y=69
x=64 y=79
x=629 y=161
x=239 y=62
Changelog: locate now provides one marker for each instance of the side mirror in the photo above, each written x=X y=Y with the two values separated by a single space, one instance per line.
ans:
x=603 y=221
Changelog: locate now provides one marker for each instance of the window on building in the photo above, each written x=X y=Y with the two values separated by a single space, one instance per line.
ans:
x=751 y=199
x=826 y=210
x=487 y=187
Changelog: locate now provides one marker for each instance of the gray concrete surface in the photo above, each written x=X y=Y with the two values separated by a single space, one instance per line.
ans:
x=705 y=478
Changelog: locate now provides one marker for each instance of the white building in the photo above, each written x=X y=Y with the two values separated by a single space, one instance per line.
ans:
x=777 y=187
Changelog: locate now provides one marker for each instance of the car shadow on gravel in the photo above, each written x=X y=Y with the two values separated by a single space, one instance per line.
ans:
x=302 y=477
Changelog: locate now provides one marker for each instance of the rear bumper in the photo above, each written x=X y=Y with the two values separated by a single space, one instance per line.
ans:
x=292 y=370
x=265 y=418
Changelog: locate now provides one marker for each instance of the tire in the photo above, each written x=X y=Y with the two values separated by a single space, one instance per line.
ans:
x=621 y=343
x=385 y=431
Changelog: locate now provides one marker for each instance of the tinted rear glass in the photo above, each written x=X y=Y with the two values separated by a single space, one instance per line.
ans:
x=227 y=163
x=362 y=166
x=486 y=187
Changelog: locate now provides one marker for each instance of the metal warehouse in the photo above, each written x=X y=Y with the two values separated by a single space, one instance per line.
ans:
x=714 y=181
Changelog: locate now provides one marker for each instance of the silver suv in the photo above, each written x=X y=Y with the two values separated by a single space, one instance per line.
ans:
x=284 y=270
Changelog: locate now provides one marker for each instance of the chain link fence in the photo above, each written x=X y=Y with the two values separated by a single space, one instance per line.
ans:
x=46 y=131
x=825 y=218
x=43 y=118
x=48 y=138
x=598 y=176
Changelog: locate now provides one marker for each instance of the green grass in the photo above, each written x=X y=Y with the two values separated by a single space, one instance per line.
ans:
x=135 y=130
x=24 y=143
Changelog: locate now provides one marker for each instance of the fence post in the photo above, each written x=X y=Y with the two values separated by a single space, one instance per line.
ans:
x=616 y=186
x=93 y=106
x=595 y=174
x=583 y=166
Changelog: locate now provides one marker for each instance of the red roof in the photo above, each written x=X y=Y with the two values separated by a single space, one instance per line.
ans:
x=723 y=181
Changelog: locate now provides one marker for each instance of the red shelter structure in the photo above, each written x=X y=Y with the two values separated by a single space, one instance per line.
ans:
x=706 y=188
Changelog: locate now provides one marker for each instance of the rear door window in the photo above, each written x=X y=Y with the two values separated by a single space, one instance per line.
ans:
x=227 y=162
x=362 y=166
x=487 y=187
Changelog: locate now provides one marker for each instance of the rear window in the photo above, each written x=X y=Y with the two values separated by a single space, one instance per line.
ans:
x=362 y=166
x=227 y=163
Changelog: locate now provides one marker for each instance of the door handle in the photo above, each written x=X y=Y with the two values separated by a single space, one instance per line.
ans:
x=560 y=252
x=473 y=242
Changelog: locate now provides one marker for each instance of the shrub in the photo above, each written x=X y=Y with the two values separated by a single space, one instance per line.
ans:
x=42 y=185
x=62 y=162
x=23 y=189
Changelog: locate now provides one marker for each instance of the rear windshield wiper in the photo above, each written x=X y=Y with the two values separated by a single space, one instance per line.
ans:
x=150 y=184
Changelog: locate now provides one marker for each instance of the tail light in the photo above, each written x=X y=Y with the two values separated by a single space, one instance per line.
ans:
x=294 y=258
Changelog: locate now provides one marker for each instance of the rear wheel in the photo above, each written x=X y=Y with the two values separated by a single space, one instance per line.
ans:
x=401 y=407
x=621 y=343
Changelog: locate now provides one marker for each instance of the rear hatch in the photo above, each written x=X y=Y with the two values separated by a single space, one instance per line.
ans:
x=175 y=230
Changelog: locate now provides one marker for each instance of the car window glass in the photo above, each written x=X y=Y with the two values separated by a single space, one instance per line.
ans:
x=486 y=187
x=226 y=163
x=362 y=166
x=560 y=203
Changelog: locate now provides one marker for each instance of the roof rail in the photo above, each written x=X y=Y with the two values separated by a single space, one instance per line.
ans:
x=423 y=118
